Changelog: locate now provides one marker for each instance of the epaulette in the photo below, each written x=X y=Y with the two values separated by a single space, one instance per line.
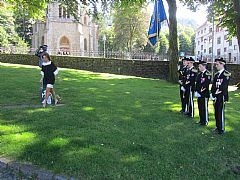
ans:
x=194 y=70
x=226 y=73
x=208 y=73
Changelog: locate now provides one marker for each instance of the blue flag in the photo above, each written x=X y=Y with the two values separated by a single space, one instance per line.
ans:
x=159 y=15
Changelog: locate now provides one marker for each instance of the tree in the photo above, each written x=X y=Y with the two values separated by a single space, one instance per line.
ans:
x=186 y=43
x=9 y=39
x=227 y=11
x=23 y=26
x=130 y=28
x=163 y=45
x=173 y=41
x=108 y=32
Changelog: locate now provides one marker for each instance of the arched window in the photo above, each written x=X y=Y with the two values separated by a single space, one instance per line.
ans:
x=64 y=44
x=85 y=44
x=85 y=20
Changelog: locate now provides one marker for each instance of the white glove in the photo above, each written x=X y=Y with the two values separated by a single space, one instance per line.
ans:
x=213 y=98
x=197 y=95
x=183 y=89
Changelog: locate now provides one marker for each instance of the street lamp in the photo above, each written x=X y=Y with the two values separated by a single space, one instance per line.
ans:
x=213 y=29
x=104 y=45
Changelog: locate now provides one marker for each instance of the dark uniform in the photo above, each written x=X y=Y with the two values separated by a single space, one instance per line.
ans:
x=39 y=53
x=202 y=89
x=182 y=79
x=48 y=71
x=220 y=94
x=189 y=87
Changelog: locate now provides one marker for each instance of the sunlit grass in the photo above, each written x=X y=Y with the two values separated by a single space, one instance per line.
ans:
x=113 y=127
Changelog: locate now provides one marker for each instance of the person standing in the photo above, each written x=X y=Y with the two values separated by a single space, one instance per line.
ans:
x=182 y=79
x=48 y=72
x=189 y=87
x=39 y=53
x=219 y=94
x=202 y=92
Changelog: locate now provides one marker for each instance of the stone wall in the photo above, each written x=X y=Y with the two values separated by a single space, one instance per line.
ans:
x=147 y=69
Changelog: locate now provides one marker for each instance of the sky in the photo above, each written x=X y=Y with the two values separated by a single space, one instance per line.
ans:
x=200 y=16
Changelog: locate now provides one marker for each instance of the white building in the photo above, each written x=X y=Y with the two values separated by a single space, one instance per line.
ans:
x=63 y=34
x=223 y=47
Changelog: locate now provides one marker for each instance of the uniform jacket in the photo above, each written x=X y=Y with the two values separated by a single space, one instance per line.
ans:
x=202 y=83
x=220 y=83
x=190 y=79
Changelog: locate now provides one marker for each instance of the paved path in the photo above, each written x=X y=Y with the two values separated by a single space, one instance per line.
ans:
x=15 y=171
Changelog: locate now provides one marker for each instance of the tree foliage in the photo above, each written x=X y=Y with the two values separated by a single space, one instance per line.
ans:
x=225 y=12
x=9 y=38
x=130 y=27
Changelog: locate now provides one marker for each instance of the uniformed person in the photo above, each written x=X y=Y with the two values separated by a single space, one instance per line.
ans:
x=182 y=79
x=220 y=94
x=189 y=87
x=202 y=92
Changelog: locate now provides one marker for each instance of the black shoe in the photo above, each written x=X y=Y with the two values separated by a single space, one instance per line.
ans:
x=221 y=132
x=181 y=111
x=215 y=130
x=190 y=115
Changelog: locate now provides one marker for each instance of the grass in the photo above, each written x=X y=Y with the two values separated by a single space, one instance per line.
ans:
x=113 y=127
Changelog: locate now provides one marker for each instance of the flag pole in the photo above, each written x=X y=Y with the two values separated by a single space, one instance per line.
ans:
x=157 y=17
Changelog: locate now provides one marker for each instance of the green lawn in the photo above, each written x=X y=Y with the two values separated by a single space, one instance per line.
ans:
x=113 y=127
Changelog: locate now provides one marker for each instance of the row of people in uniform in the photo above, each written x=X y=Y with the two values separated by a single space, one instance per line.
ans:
x=197 y=83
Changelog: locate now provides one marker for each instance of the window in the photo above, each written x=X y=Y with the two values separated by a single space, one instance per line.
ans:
x=205 y=50
x=201 y=47
x=235 y=47
x=219 y=52
x=210 y=50
x=230 y=42
x=219 y=40
x=198 y=52
x=210 y=39
x=225 y=49
x=217 y=29
x=63 y=12
x=85 y=20
x=198 y=32
x=225 y=37
x=198 y=42
x=85 y=44
x=201 y=39
x=210 y=29
x=235 y=58
x=201 y=31
x=205 y=30
x=60 y=11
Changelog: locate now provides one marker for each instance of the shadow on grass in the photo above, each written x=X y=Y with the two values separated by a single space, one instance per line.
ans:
x=118 y=128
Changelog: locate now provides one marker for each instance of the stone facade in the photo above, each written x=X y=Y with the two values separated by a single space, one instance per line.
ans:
x=63 y=34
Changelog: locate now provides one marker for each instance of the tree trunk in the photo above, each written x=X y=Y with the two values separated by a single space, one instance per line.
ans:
x=173 y=41
x=237 y=9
